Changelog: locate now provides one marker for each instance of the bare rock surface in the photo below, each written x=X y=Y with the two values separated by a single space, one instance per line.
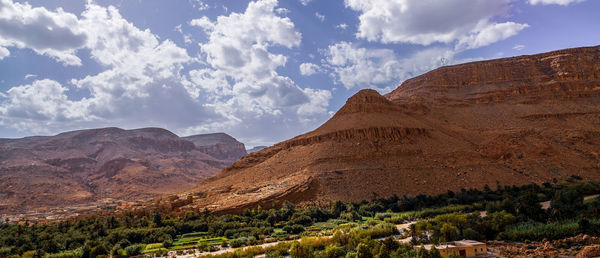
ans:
x=219 y=145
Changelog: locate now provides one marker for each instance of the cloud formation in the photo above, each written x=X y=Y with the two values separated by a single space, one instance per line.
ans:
x=141 y=86
x=380 y=69
x=309 y=69
x=56 y=34
x=427 y=22
x=242 y=81
x=558 y=2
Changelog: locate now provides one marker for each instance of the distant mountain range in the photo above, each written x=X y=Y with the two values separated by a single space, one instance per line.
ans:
x=510 y=121
x=89 y=165
x=255 y=149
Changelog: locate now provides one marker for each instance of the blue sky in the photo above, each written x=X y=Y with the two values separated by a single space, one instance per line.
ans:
x=263 y=71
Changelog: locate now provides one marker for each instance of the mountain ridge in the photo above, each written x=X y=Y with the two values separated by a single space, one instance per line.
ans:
x=85 y=166
x=527 y=119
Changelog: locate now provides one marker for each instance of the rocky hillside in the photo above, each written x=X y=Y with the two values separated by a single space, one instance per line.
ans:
x=88 y=165
x=506 y=121
x=219 y=145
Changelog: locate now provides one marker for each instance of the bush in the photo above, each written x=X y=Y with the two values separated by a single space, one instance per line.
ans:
x=469 y=233
x=363 y=251
x=351 y=255
x=334 y=251
x=134 y=250
x=167 y=243
x=238 y=242
x=98 y=250
x=66 y=254
x=273 y=254
x=293 y=229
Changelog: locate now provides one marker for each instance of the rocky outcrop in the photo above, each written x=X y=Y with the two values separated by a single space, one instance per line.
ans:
x=511 y=121
x=89 y=165
x=219 y=145
x=589 y=251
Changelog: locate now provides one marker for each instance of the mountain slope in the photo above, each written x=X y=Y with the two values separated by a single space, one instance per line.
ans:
x=89 y=165
x=507 y=121
x=219 y=145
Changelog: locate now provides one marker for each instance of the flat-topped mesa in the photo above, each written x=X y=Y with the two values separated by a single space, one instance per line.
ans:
x=569 y=73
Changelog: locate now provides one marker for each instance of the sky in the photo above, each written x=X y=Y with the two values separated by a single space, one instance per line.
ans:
x=262 y=71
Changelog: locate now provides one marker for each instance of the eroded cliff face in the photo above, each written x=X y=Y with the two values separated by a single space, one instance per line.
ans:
x=507 y=121
x=219 y=145
x=563 y=74
x=84 y=166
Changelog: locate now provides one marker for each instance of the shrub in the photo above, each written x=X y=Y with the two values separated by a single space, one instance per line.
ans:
x=134 y=250
x=363 y=251
x=66 y=254
x=293 y=229
x=238 y=242
x=167 y=243
x=334 y=251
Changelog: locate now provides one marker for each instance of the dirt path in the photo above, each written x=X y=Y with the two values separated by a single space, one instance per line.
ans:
x=404 y=227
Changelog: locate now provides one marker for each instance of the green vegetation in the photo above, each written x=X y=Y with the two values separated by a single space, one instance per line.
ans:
x=340 y=229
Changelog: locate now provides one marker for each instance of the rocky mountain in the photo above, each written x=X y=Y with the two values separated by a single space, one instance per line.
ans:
x=219 y=145
x=256 y=148
x=508 y=121
x=89 y=165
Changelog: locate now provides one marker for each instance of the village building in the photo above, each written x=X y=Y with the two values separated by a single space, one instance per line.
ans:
x=462 y=248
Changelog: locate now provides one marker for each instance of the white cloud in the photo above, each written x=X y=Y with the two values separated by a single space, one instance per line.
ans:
x=29 y=76
x=342 y=26
x=4 y=53
x=282 y=11
x=427 y=22
x=361 y=67
x=309 y=69
x=317 y=105
x=203 y=23
x=238 y=88
x=27 y=107
x=142 y=85
x=491 y=33
x=380 y=69
x=518 y=47
x=319 y=16
x=56 y=34
x=200 y=5
x=305 y=2
x=242 y=81
x=558 y=2
x=187 y=38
